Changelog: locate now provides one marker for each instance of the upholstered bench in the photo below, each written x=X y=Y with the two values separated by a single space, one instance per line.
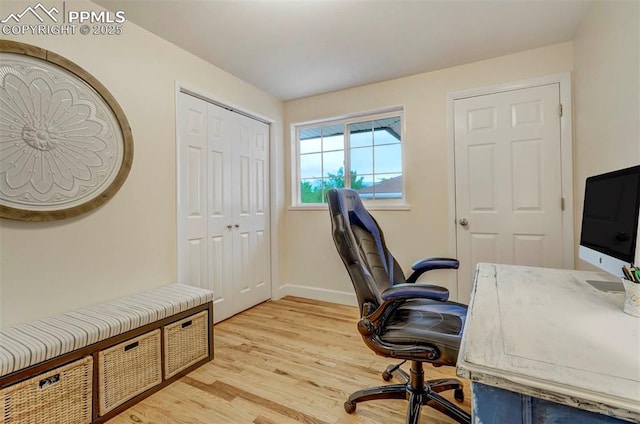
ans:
x=168 y=330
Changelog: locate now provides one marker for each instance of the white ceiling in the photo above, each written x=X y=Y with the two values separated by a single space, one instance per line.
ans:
x=294 y=49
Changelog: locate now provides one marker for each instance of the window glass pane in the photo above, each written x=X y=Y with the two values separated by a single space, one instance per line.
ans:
x=333 y=162
x=334 y=142
x=311 y=165
x=383 y=136
x=360 y=134
x=363 y=184
x=311 y=191
x=310 y=145
x=362 y=160
x=335 y=180
x=360 y=139
x=326 y=185
x=388 y=158
x=388 y=186
x=387 y=130
x=308 y=133
x=324 y=193
x=331 y=130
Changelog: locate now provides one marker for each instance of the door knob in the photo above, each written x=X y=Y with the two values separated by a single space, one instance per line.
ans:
x=463 y=222
x=229 y=226
x=237 y=225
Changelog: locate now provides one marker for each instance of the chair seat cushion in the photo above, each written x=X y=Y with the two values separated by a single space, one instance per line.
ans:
x=428 y=323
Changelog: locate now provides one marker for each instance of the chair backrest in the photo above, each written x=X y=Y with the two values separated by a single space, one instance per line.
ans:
x=361 y=246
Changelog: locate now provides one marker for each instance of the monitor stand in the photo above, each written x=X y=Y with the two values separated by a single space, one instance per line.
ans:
x=607 y=286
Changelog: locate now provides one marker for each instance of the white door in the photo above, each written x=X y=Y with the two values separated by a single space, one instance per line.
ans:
x=192 y=196
x=220 y=208
x=250 y=225
x=223 y=233
x=508 y=180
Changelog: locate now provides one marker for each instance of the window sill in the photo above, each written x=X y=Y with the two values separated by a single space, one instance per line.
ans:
x=398 y=207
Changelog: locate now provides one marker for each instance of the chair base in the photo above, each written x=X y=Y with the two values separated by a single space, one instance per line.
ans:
x=418 y=392
x=387 y=374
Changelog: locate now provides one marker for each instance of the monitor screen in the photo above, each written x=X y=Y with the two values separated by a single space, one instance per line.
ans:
x=610 y=219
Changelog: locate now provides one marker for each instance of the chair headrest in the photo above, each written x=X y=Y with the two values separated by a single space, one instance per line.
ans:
x=347 y=203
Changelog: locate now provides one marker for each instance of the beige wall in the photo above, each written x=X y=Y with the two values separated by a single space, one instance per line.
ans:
x=606 y=94
x=311 y=266
x=129 y=244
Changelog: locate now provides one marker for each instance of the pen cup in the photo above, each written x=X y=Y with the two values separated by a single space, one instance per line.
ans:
x=631 y=298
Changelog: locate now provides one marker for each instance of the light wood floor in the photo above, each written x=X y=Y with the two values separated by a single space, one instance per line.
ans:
x=292 y=360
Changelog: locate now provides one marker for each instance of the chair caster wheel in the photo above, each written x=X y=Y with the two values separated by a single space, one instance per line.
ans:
x=458 y=395
x=386 y=375
x=350 y=407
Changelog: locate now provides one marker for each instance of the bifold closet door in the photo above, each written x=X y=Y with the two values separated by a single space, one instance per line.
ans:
x=220 y=210
x=251 y=276
x=191 y=192
x=223 y=233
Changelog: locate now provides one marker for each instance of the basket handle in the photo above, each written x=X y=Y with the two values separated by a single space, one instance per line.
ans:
x=45 y=382
x=186 y=324
x=131 y=346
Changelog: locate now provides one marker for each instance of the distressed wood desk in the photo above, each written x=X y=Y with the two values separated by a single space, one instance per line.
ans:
x=544 y=346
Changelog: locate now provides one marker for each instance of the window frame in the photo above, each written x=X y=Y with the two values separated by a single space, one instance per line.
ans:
x=398 y=203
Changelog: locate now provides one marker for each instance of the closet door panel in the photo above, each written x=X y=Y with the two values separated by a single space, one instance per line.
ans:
x=220 y=210
x=260 y=165
x=192 y=180
x=243 y=237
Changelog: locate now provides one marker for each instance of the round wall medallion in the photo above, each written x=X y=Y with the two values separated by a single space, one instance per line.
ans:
x=65 y=143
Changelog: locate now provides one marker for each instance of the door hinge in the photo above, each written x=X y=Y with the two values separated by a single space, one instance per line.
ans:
x=560 y=110
x=562 y=203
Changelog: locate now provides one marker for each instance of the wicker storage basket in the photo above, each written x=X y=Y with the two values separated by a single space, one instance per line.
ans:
x=185 y=343
x=128 y=369
x=59 y=396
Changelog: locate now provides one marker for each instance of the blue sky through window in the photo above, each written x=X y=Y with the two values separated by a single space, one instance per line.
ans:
x=315 y=163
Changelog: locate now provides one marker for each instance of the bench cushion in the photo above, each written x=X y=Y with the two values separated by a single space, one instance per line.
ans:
x=27 y=344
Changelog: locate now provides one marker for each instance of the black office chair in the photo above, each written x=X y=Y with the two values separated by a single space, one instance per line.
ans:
x=399 y=318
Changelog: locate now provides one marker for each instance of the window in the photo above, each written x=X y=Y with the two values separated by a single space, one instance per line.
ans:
x=367 y=149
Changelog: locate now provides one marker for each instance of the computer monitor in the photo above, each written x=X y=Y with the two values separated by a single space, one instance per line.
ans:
x=609 y=235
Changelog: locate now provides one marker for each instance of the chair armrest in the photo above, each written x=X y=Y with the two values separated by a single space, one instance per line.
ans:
x=373 y=320
x=395 y=294
x=406 y=291
x=428 y=264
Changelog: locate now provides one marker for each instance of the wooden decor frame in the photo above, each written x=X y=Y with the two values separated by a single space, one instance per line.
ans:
x=32 y=137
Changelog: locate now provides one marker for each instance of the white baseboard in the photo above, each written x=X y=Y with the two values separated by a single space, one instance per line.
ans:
x=316 y=293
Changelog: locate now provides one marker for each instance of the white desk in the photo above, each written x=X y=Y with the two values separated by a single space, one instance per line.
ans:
x=547 y=334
